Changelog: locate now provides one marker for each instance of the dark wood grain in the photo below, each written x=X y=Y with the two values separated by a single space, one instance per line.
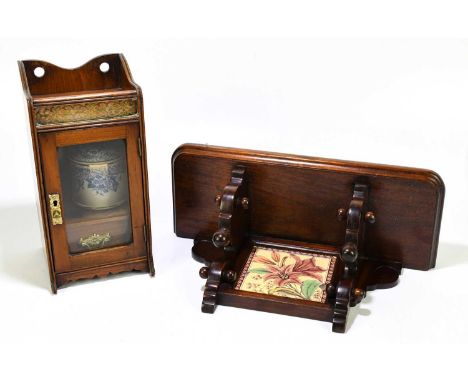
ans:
x=298 y=197
x=75 y=90
x=373 y=219
x=87 y=80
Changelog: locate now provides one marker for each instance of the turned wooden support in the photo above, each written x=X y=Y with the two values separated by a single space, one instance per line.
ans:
x=228 y=276
x=345 y=293
x=354 y=234
x=359 y=274
x=233 y=212
x=233 y=222
x=213 y=280
x=291 y=204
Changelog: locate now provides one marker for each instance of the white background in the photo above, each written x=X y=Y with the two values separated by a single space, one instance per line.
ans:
x=263 y=79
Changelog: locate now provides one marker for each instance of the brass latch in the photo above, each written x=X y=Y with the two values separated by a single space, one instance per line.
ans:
x=55 y=210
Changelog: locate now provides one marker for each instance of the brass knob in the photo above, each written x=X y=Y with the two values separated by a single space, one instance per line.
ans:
x=370 y=217
x=341 y=214
x=245 y=203
x=331 y=290
x=203 y=272
x=359 y=294
x=221 y=238
x=230 y=276
x=349 y=253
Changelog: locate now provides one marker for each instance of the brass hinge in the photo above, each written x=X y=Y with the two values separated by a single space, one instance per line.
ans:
x=144 y=233
x=139 y=147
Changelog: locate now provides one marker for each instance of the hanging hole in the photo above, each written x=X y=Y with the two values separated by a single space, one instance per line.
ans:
x=39 y=72
x=104 y=67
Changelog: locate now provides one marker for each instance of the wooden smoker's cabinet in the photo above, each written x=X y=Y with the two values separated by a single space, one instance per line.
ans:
x=88 y=136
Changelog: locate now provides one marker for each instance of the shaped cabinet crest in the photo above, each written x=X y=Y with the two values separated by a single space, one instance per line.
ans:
x=88 y=136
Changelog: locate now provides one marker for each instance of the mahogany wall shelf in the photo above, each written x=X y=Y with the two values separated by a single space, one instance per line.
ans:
x=88 y=136
x=302 y=236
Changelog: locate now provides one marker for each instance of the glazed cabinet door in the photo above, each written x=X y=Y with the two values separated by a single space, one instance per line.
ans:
x=93 y=185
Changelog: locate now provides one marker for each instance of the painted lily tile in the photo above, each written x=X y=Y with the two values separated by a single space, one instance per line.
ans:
x=290 y=274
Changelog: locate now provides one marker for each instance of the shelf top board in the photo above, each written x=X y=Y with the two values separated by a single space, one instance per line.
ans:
x=297 y=198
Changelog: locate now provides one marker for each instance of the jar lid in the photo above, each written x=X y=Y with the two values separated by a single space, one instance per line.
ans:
x=97 y=152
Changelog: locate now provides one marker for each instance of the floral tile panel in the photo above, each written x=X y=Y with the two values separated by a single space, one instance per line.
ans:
x=284 y=273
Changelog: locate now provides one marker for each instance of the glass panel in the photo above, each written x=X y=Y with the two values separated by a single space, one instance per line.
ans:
x=95 y=195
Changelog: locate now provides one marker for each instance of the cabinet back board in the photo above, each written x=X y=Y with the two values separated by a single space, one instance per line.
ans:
x=297 y=198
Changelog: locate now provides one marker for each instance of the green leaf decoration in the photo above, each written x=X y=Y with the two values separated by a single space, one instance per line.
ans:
x=282 y=261
x=308 y=288
x=260 y=271
x=291 y=292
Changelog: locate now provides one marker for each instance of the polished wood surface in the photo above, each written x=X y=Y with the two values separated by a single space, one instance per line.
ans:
x=298 y=198
x=373 y=219
x=58 y=84
x=83 y=90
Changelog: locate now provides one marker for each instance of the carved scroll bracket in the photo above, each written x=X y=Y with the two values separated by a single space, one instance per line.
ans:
x=345 y=294
x=233 y=213
x=359 y=273
x=233 y=222
x=354 y=235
